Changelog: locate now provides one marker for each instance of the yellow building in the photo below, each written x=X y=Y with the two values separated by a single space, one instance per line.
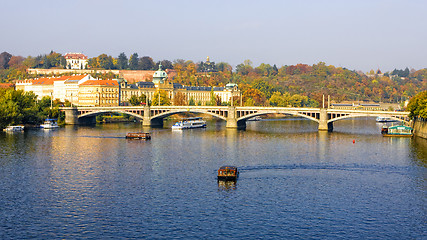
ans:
x=104 y=93
x=200 y=95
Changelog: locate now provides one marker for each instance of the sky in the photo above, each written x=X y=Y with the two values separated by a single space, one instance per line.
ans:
x=355 y=34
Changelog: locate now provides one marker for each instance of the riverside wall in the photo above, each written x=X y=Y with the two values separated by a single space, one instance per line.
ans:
x=420 y=128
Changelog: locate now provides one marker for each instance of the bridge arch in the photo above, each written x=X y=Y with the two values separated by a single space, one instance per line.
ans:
x=364 y=115
x=96 y=113
x=246 y=117
x=173 y=112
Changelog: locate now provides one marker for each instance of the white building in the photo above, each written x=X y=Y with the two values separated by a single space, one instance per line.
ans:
x=62 y=88
x=68 y=89
x=76 y=60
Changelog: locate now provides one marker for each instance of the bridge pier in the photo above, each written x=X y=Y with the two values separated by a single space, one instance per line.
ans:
x=148 y=122
x=323 y=121
x=232 y=119
x=71 y=116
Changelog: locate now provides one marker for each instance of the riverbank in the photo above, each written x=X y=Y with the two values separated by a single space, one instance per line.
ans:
x=420 y=128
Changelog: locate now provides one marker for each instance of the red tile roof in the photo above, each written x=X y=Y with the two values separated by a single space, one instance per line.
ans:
x=43 y=81
x=61 y=78
x=75 y=56
x=6 y=85
x=111 y=83
x=76 y=77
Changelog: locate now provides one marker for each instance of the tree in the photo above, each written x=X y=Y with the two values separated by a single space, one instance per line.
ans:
x=105 y=62
x=17 y=107
x=133 y=61
x=4 y=60
x=63 y=62
x=417 y=106
x=278 y=100
x=253 y=96
x=164 y=99
x=166 y=64
x=191 y=102
x=146 y=63
x=93 y=63
x=137 y=101
x=122 y=61
x=263 y=86
x=16 y=62
x=46 y=62
x=179 y=99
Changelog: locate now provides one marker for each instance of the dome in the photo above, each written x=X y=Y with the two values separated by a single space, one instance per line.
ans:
x=159 y=75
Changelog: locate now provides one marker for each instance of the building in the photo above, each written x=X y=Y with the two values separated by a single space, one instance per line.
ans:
x=97 y=93
x=62 y=88
x=67 y=87
x=76 y=61
x=84 y=90
x=199 y=95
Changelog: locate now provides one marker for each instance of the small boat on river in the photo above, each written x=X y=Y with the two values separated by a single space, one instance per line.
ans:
x=228 y=173
x=49 y=124
x=17 y=128
x=397 y=131
x=138 y=135
x=196 y=122
x=256 y=118
x=384 y=119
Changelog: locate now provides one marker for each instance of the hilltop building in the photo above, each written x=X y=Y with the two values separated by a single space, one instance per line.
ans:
x=76 y=61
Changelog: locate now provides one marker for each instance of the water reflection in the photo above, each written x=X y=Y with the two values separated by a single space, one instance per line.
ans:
x=295 y=182
x=419 y=150
x=226 y=185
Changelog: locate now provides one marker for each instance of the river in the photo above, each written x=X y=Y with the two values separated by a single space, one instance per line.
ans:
x=295 y=183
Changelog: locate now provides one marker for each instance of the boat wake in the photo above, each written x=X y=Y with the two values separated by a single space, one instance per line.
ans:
x=349 y=167
x=102 y=137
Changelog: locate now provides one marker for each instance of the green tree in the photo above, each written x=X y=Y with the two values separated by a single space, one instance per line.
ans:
x=105 y=61
x=122 y=61
x=133 y=61
x=417 y=106
x=166 y=64
x=17 y=107
x=164 y=99
x=191 y=102
x=137 y=101
x=146 y=63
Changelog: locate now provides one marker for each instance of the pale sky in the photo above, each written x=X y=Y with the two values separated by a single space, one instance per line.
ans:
x=356 y=34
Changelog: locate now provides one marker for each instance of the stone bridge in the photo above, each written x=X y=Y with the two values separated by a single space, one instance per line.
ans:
x=234 y=116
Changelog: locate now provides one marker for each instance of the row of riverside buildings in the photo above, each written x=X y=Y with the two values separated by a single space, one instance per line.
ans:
x=84 y=90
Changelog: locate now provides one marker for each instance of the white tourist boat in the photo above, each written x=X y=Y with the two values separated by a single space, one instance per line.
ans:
x=14 y=128
x=384 y=119
x=256 y=118
x=49 y=124
x=196 y=122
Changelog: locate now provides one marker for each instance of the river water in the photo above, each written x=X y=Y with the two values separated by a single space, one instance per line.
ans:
x=295 y=183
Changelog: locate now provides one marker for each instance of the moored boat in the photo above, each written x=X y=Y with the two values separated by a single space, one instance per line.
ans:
x=228 y=173
x=138 y=135
x=398 y=131
x=256 y=118
x=49 y=124
x=384 y=119
x=17 y=128
x=196 y=122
